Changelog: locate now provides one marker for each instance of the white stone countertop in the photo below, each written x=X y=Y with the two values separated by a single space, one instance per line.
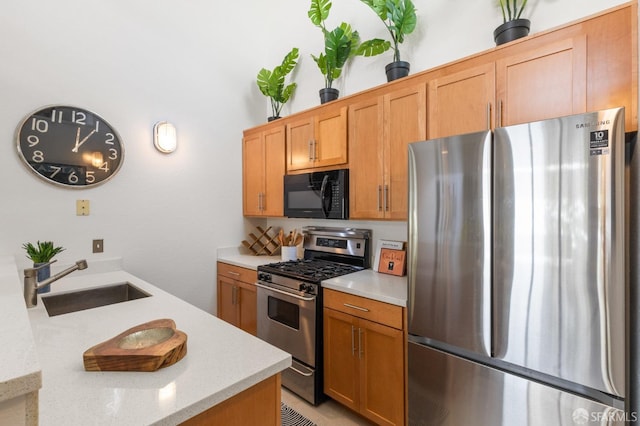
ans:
x=368 y=283
x=248 y=261
x=221 y=360
x=373 y=285
x=19 y=366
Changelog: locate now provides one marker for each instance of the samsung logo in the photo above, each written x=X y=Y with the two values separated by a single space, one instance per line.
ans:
x=593 y=124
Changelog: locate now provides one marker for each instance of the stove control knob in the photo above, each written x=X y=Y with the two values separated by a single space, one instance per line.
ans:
x=303 y=287
x=264 y=276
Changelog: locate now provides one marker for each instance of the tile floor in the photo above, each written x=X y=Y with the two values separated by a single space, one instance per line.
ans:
x=328 y=413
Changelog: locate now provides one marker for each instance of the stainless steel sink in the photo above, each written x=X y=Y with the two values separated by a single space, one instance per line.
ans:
x=65 y=303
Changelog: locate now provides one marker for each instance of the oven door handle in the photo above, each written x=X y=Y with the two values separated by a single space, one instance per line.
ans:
x=295 y=296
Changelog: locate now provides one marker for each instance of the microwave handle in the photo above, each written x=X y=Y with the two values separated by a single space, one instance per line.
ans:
x=323 y=198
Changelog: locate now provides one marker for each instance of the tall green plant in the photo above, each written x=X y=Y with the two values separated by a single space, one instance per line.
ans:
x=272 y=83
x=511 y=10
x=340 y=44
x=43 y=252
x=399 y=16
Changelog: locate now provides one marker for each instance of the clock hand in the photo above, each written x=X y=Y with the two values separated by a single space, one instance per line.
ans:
x=79 y=143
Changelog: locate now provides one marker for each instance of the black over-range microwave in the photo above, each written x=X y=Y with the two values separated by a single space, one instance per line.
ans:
x=322 y=195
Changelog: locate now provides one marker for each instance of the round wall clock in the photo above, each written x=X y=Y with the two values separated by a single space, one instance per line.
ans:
x=69 y=146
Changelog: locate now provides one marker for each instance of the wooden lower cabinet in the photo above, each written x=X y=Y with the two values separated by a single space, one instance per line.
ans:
x=237 y=296
x=258 y=405
x=364 y=362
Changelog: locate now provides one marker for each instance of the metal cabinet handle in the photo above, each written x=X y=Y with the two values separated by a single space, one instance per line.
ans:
x=386 y=198
x=348 y=305
x=262 y=203
x=360 y=350
x=379 y=197
x=237 y=274
x=353 y=341
x=310 y=149
x=488 y=115
x=315 y=155
x=234 y=293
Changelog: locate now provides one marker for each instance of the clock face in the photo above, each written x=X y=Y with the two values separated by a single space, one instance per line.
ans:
x=69 y=146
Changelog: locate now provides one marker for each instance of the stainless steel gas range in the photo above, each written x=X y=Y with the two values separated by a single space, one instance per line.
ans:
x=290 y=301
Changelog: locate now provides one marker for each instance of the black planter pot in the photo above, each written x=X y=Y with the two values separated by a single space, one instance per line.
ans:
x=328 y=94
x=511 y=30
x=396 y=70
x=272 y=118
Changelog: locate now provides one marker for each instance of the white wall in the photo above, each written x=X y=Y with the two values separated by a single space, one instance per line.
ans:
x=192 y=63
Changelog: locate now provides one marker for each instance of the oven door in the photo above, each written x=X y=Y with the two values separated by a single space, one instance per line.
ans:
x=288 y=321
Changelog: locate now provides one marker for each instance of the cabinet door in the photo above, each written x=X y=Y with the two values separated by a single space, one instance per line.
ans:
x=252 y=174
x=274 y=159
x=300 y=138
x=462 y=102
x=543 y=83
x=405 y=121
x=248 y=308
x=381 y=373
x=340 y=358
x=331 y=138
x=366 y=164
x=227 y=307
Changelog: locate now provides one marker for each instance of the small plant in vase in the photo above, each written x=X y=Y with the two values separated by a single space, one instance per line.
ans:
x=399 y=17
x=272 y=83
x=340 y=44
x=513 y=26
x=40 y=254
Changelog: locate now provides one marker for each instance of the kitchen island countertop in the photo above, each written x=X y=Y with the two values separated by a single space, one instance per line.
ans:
x=221 y=360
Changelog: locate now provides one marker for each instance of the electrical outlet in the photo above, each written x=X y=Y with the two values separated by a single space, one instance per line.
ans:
x=98 y=246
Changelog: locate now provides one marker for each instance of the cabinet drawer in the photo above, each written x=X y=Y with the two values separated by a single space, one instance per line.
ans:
x=373 y=310
x=237 y=273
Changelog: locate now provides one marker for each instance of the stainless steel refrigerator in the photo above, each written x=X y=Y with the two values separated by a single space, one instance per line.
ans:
x=516 y=270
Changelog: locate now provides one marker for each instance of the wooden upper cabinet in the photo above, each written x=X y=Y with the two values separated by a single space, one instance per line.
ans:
x=462 y=102
x=253 y=174
x=366 y=165
x=406 y=122
x=543 y=83
x=318 y=141
x=263 y=171
x=380 y=129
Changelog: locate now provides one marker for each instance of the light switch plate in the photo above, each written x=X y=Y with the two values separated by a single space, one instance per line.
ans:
x=82 y=207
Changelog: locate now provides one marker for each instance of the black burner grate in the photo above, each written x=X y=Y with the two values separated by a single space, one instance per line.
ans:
x=311 y=270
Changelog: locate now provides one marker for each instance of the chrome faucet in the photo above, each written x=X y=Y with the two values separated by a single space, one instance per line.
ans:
x=31 y=284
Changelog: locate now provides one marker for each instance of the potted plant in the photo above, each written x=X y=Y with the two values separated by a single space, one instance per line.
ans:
x=399 y=16
x=340 y=44
x=41 y=254
x=513 y=27
x=272 y=84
